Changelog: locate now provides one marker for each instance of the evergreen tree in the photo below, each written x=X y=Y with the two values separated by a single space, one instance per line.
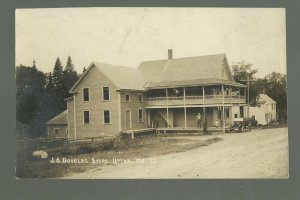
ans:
x=70 y=76
x=57 y=74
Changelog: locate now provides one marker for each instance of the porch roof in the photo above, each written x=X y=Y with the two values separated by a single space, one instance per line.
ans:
x=194 y=82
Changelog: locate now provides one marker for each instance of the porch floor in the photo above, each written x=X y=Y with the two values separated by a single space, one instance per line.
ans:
x=189 y=129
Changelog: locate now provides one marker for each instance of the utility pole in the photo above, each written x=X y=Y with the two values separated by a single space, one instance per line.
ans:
x=248 y=88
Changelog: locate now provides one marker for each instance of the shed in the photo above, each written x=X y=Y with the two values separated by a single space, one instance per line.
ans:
x=58 y=125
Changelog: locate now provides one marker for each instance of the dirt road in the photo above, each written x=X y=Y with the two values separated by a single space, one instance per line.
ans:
x=255 y=154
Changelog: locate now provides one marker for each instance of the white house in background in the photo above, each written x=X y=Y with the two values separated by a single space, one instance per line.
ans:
x=266 y=111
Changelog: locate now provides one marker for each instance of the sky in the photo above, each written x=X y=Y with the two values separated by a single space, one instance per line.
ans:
x=128 y=36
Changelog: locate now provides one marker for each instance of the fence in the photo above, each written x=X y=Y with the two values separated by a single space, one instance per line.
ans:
x=57 y=146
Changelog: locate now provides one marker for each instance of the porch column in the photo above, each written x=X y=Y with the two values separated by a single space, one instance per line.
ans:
x=184 y=107
x=239 y=102
x=230 y=93
x=245 y=91
x=203 y=99
x=167 y=107
x=223 y=106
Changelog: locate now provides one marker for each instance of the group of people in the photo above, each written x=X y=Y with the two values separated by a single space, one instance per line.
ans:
x=202 y=122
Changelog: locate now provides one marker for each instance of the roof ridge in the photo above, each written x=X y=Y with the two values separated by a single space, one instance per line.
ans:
x=112 y=65
x=223 y=54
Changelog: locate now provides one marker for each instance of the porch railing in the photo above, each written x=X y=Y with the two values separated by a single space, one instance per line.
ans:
x=193 y=97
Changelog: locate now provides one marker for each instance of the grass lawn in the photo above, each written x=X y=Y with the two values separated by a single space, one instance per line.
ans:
x=138 y=148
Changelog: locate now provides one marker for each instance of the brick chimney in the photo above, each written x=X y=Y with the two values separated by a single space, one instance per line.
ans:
x=170 y=54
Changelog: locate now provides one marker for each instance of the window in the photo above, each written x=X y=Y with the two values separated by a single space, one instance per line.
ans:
x=106 y=116
x=86 y=117
x=86 y=96
x=127 y=97
x=105 y=93
x=235 y=115
x=140 y=97
x=141 y=115
x=56 y=130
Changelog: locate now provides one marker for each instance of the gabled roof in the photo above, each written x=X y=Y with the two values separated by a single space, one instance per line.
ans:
x=60 y=119
x=189 y=68
x=266 y=98
x=124 y=78
x=201 y=70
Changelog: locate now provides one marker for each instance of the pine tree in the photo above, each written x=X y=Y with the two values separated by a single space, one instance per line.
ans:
x=70 y=76
x=57 y=74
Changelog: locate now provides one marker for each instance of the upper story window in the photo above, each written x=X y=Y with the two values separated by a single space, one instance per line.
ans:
x=86 y=95
x=86 y=117
x=106 y=117
x=105 y=93
x=140 y=97
x=127 y=97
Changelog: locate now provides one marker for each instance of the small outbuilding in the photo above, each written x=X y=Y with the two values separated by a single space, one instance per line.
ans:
x=58 y=126
x=265 y=111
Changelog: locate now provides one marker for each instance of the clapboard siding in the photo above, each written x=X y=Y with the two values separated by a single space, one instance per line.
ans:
x=62 y=131
x=95 y=80
x=133 y=106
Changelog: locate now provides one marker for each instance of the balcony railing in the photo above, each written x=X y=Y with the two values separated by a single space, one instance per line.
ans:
x=195 y=99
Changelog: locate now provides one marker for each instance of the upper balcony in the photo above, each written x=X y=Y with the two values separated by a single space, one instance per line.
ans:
x=208 y=96
x=195 y=100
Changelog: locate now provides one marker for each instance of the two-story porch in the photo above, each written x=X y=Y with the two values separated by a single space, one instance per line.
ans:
x=175 y=107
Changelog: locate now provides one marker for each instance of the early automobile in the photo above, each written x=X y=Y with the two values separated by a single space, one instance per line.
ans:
x=236 y=127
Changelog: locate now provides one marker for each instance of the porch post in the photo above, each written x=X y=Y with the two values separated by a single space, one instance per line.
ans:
x=167 y=107
x=184 y=107
x=223 y=107
x=203 y=99
x=239 y=102
x=246 y=102
x=230 y=93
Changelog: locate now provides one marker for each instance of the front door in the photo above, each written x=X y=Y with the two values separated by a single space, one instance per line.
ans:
x=128 y=119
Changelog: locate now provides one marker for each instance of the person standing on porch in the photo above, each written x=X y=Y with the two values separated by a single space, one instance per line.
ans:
x=199 y=120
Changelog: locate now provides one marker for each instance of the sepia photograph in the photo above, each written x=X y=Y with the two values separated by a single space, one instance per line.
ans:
x=151 y=93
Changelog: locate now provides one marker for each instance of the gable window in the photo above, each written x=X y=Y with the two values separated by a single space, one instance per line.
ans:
x=106 y=117
x=127 y=97
x=86 y=96
x=86 y=117
x=105 y=93
x=56 y=130
x=141 y=118
x=140 y=97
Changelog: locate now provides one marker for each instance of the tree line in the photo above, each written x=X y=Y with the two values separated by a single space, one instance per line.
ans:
x=40 y=96
x=273 y=84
